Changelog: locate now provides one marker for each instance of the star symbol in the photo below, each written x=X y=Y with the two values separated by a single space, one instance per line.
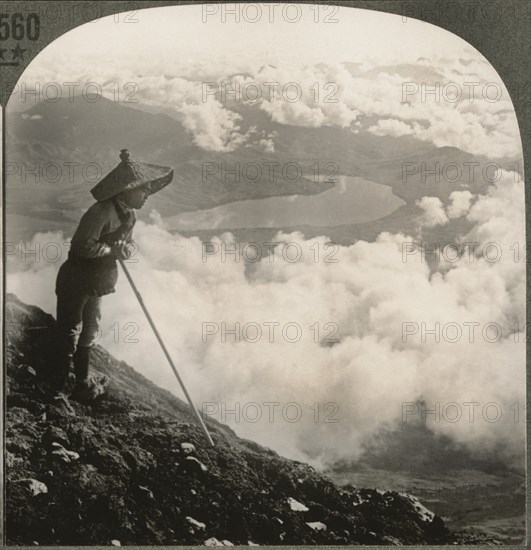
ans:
x=18 y=52
x=2 y=50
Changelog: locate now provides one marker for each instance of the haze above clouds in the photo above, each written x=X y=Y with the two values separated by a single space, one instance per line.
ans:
x=371 y=71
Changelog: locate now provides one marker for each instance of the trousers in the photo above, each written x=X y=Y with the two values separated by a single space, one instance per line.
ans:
x=78 y=320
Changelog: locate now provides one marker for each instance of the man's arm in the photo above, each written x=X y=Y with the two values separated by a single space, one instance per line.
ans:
x=129 y=245
x=85 y=242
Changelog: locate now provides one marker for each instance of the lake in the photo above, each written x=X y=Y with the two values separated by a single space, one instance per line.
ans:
x=351 y=200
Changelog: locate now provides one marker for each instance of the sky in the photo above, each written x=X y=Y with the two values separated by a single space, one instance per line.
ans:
x=165 y=35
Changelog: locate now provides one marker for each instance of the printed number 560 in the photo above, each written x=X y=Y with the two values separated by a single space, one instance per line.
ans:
x=19 y=26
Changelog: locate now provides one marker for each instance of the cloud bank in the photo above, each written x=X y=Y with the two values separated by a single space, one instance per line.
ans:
x=368 y=295
x=459 y=102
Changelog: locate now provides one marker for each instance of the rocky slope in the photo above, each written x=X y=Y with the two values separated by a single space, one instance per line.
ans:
x=135 y=469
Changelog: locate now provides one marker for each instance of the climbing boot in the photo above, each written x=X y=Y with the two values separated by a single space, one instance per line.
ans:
x=82 y=363
x=90 y=389
x=59 y=374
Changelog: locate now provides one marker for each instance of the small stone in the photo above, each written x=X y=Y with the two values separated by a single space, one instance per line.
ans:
x=227 y=543
x=195 y=523
x=36 y=487
x=297 y=506
x=147 y=492
x=64 y=454
x=115 y=542
x=188 y=448
x=316 y=525
x=25 y=372
x=61 y=408
x=193 y=492
x=27 y=369
x=199 y=464
x=213 y=542
x=55 y=435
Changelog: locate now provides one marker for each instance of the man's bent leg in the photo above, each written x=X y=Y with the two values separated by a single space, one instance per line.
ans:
x=70 y=308
x=89 y=336
x=88 y=388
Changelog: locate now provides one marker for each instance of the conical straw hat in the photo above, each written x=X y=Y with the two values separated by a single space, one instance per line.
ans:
x=130 y=175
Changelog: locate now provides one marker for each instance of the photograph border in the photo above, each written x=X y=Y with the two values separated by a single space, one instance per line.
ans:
x=500 y=33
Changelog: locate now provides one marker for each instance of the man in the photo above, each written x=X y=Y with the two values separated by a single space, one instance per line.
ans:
x=104 y=235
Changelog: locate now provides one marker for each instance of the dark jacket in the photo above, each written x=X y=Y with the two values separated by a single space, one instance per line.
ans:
x=91 y=264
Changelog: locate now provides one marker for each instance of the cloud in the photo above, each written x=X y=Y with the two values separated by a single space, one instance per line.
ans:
x=214 y=128
x=459 y=204
x=367 y=295
x=468 y=108
x=267 y=144
x=392 y=127
x=433 y=211
x=447 y=103
x=307 y=96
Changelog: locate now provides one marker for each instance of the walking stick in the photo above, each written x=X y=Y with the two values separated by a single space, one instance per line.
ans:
x=166 y=353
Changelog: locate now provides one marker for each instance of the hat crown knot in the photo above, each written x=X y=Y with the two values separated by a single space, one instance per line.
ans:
x=128 y=171
x=125 y=155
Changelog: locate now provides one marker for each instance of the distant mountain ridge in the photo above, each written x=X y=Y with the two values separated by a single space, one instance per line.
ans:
x=84 y=132
x=83 y=139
